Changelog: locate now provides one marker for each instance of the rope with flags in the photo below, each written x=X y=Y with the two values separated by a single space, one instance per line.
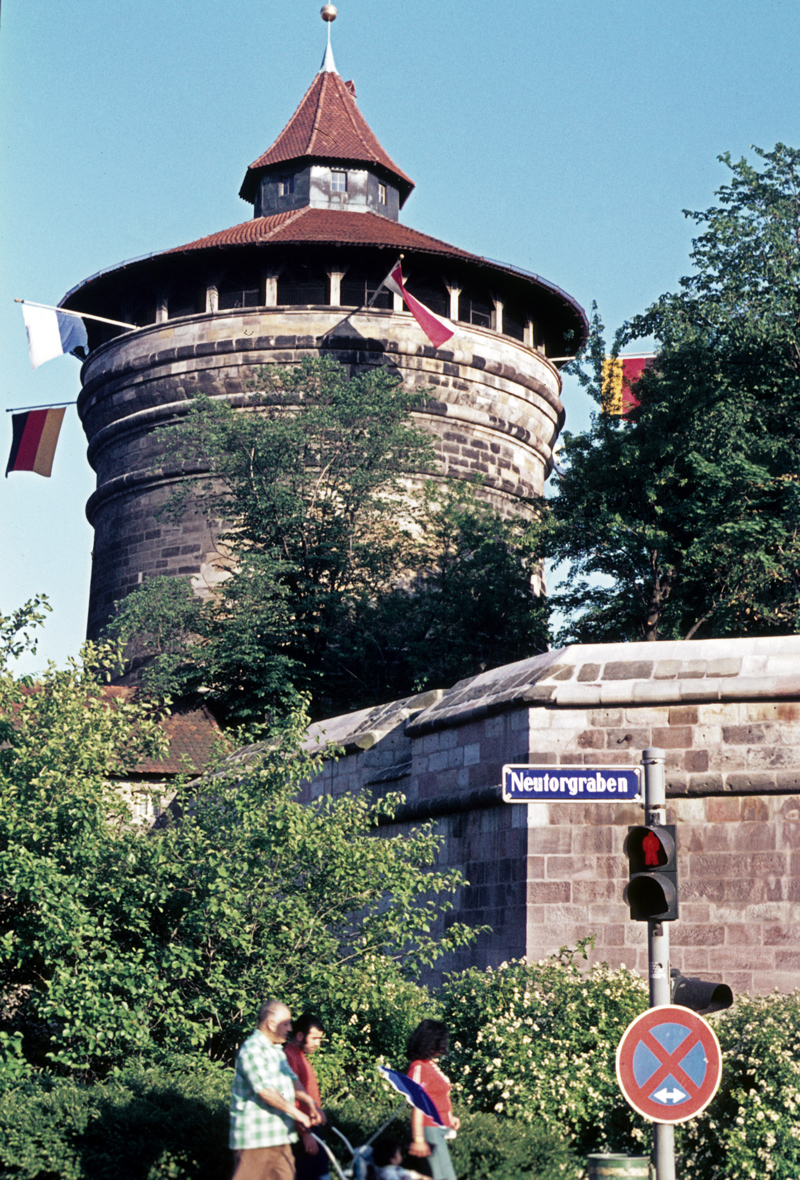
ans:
x=52 y=331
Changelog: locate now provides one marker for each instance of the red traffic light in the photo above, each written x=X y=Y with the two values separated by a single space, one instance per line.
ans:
x=652 y=891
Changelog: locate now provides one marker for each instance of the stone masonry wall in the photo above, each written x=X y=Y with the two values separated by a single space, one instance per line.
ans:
x=543 y=875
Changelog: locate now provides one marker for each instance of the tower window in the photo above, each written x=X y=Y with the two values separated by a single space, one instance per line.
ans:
x=286 y=186
x=359 y=287
x=382 y=194
x=300 y=285
x=338 y=182
x=185 y=299
x=431 y=291
x=238 y=290
x=514 y=321
x=474 y=308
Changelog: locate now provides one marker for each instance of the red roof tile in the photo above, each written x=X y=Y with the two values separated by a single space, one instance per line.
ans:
x=332 y=226
x=326 y=126
x=192 y=733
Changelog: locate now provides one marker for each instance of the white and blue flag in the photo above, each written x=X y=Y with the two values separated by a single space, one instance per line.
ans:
x=413 y=1093
x=52 y=333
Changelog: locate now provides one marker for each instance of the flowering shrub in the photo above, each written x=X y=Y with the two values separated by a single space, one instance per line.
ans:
x=538 y=1042
x=752 y=1127
x=489 y=1147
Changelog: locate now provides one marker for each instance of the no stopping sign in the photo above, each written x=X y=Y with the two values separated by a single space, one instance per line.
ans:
x=669 y=1064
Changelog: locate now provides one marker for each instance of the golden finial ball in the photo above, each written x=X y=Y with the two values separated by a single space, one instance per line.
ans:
x=329 y=12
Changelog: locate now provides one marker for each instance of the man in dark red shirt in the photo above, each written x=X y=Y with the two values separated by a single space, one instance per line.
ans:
x=306 y=1038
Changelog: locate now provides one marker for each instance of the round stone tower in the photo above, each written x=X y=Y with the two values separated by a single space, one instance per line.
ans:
x=300 y=279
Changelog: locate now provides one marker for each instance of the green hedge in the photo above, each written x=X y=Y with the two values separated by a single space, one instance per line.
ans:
x=537 y=1041
x=153 y=1125
x=487 y=1147
x=144 y=1125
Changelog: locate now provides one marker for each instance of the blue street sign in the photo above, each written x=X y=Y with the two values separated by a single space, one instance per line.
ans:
x=552 y=784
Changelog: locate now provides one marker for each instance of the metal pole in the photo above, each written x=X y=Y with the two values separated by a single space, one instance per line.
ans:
x=655 y=811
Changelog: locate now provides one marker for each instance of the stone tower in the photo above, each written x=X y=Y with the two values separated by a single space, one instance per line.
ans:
x=295 y=281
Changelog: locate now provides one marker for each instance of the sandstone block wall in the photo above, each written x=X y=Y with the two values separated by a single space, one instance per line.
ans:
x=543 y=875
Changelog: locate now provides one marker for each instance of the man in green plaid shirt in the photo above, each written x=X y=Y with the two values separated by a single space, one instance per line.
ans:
x=263 y=1111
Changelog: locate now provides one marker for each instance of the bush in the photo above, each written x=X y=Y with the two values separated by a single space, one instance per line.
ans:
x=120 y=944
x=538 y=1042
x=487 y=1147
x=492 y=1148
x=369 y=1013
x=752 y=1127
x=144 y=1125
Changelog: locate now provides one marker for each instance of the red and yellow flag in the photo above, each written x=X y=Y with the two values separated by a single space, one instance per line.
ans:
x=35 y=434
x=620 y=374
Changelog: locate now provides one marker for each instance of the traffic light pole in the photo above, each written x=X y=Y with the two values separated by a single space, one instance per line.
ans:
x=655 y=804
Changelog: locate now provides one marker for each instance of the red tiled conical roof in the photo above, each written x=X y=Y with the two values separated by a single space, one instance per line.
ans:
x=330 y=226
x=326 y=126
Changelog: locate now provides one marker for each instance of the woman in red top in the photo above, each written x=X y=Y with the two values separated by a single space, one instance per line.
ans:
x=428 y=1043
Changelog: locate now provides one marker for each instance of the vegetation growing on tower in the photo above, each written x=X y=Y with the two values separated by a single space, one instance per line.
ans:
x=356 y=574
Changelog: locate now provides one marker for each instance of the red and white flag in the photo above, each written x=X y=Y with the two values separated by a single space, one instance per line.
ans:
x=435 y=327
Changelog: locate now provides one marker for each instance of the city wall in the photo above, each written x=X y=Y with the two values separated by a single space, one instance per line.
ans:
x=544 y=875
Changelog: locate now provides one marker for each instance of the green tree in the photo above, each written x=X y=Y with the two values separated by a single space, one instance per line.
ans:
x=120 y=944
x=349 y=577
x=683 y=519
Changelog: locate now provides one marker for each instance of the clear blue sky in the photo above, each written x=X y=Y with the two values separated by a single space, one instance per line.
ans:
x=565 y=138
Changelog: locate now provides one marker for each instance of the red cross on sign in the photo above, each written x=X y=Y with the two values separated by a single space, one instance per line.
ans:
x=669 y=1064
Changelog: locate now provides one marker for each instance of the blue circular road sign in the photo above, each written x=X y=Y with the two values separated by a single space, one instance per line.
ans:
x=669 y=1064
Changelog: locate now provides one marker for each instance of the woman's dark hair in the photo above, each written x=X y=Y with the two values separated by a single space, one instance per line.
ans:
x=429 y=1039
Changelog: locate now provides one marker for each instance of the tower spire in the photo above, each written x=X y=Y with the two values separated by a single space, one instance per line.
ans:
x=328 y=12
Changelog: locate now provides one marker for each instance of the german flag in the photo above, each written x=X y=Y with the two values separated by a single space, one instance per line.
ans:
x=35 y=434
x=620 y=374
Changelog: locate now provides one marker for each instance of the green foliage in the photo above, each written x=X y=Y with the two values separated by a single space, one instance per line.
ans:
x=369 y=1016
x=752 y=1127
x=537 y=1043
x=489 y=1147
x=469 y=564
x=684 y=518
x=17 y=630
x=348 y=577
x=143 y=1124
x=119 y=944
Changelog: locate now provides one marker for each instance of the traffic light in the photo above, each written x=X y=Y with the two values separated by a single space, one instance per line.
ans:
x=652 y=891
x=698 y=994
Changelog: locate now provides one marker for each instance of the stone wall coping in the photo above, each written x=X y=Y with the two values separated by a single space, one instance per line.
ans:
x=664 y=672
x=587 y=675
x=364 y=729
